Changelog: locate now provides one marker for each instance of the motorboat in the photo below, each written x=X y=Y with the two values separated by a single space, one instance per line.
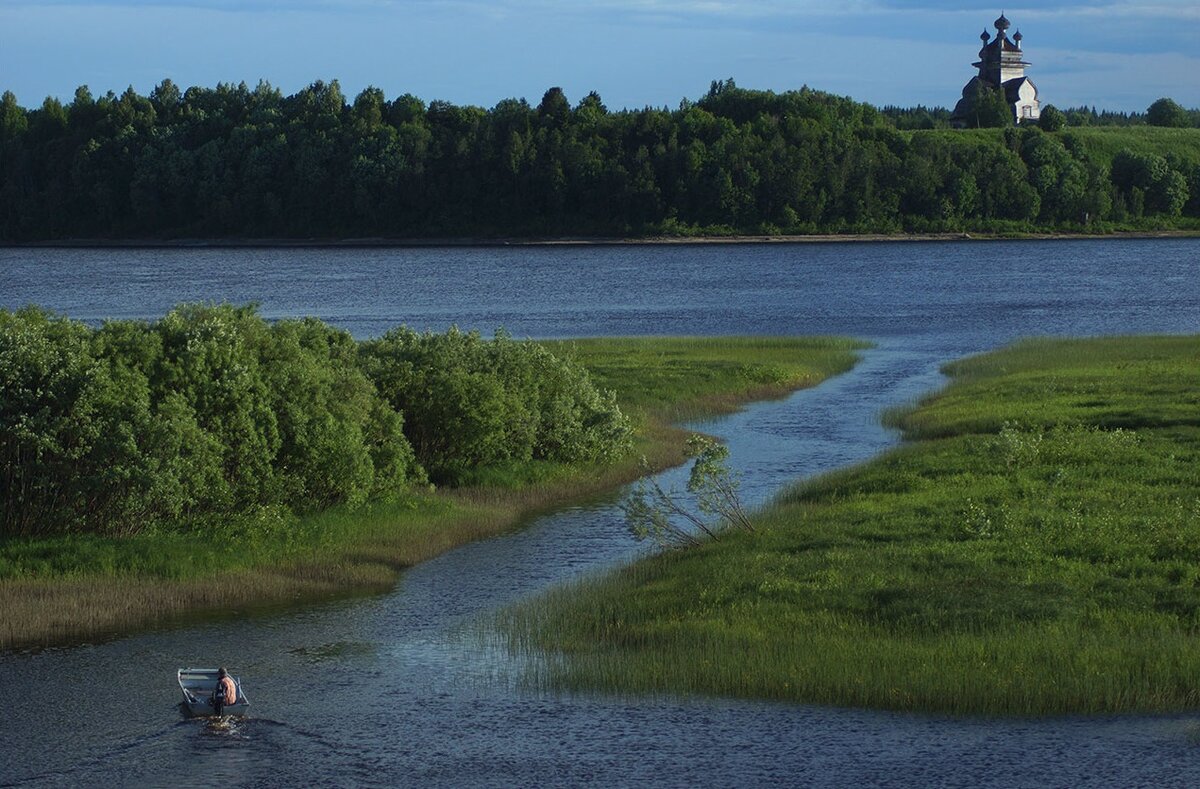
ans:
x=198 y=685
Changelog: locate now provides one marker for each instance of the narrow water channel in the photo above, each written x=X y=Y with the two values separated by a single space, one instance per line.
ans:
x=385 y=691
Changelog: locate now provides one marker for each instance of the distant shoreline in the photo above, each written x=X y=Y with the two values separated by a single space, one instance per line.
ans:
x=402 y=243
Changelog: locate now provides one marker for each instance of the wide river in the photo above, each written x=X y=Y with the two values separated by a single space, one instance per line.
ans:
x=392 y=690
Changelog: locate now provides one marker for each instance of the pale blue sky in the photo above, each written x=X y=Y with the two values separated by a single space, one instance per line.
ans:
x=1121 y=55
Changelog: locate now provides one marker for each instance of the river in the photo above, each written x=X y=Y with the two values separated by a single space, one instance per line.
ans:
x=387 y=690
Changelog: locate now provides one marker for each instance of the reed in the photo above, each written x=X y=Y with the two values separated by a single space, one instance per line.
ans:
x=70 y=588
x=1033 y=550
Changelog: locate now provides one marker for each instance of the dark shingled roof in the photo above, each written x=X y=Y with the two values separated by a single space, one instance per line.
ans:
x=1003 y=44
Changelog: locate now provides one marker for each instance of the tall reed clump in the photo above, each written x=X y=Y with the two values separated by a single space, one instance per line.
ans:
x=1034 y=549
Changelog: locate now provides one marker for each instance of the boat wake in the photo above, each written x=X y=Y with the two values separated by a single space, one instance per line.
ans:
x=226 y=726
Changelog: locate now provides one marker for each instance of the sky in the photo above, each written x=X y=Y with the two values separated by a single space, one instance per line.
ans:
x=634 y=53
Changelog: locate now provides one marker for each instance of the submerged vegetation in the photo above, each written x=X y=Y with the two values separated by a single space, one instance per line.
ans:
x=240 y=162
x=1033 y=549
x=77 y=572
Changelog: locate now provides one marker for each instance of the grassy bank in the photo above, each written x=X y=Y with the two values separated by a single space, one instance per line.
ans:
x=1100 y=143
x=1034 y=549
x=67 y=588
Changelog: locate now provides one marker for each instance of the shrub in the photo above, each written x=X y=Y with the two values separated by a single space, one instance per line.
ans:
x=211 y=357
x=48 y=392
x=1052 y=119
x=208 y=411
x=339 y=442
x=1148 y=177
x=211 y=411
x=469 y=402
x=1166 y=112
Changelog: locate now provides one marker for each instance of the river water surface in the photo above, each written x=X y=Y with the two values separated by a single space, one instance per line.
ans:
x=386 y=690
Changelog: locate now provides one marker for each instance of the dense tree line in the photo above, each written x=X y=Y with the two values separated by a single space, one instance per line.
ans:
x=232 y=161
x=211 y=411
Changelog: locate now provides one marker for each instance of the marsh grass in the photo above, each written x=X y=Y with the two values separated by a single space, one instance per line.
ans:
x=670 y=379
x=64 y=589
x=1034 y=550
x=1126 y=382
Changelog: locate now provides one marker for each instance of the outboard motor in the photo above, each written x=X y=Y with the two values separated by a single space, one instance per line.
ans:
x=218 y=696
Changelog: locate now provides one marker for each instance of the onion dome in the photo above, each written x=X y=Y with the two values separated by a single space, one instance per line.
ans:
x=1002 y=23
x=984 y=36
x=1017 y=37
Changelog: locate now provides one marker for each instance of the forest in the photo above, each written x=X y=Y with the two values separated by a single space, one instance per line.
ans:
x=234 y=162
x=212 y=413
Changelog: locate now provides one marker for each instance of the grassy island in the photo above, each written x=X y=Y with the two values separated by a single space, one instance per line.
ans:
x=62 y=582
x=1032 y=549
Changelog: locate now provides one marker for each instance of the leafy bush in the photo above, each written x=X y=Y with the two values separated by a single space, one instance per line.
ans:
x=469 y=402
x=340 y=441
x=1167 y=112
x=1150 y=181
x=1052 y=119
x=651 y=511
x=210 y=355
x=48 y=397
x=208 y=411
x=211 y=412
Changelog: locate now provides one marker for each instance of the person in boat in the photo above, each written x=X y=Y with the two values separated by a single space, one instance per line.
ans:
x=225 y=693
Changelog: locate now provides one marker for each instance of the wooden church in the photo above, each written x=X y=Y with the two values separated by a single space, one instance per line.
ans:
x=1001 y=65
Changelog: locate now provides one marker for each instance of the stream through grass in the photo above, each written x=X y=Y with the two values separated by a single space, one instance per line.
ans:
x=395 y=689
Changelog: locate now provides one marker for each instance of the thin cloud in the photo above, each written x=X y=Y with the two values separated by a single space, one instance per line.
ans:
x=1163 y=9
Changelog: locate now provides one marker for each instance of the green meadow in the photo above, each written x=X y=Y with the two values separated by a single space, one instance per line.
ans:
x=59 y=588
x=1099 y=143
x=668 y=379
x=1032 y=549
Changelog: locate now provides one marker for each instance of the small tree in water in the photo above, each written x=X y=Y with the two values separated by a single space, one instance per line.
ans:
x=651 y=511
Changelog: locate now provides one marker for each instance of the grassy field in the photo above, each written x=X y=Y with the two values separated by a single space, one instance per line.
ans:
x=671 y=379
x=62 y=589
x=1105 y=142
x=1033 y=549
x=1101 y=142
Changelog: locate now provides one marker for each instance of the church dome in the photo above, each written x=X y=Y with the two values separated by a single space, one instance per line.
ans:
x=1018 y=36
x=984 y=36
x=1002 y=23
